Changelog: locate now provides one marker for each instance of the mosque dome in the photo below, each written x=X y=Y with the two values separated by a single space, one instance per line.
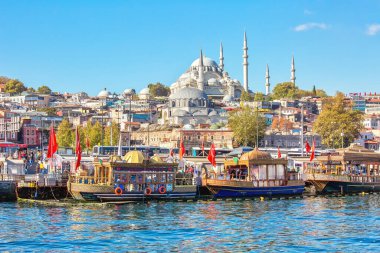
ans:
x=104 y=93
x=128 y=92
x=134 y=156
x=188 y=93
x=212 y=81
x=207 y=62
x=188 y=127
x=156 y=159
x=255 y=155
x=144 y=91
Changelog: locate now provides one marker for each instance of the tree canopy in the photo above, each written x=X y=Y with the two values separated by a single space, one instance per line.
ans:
x=259 y=96
x=158 y=90
x=115 y=134
x=247 y=125
x=65 y=134
x=44 y=90
x=291 y=91
x=14 y=86
x=336 y=119
x=245 y=96
x=4 y=79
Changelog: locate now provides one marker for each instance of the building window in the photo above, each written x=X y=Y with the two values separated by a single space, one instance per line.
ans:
x=27 y=132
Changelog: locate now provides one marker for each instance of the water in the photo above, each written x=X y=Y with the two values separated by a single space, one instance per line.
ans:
x=345 y=224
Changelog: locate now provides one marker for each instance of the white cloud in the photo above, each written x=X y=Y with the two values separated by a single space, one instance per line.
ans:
x=373 y=29
x=310 y=26
x=307 y=12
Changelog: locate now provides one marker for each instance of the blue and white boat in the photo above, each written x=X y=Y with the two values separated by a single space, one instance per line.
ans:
x=256 y=174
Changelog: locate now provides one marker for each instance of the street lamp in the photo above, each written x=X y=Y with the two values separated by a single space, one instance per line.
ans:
x=302 y=129
x=342 y=135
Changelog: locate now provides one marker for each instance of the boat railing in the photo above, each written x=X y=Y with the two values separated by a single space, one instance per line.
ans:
x=89 y=180
x=345 y=178
x=11 y=177
x=252 y=181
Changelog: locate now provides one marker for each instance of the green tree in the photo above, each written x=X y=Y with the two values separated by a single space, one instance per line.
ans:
x=51 y=111
x=337 y=118
x=115 y=134
x=285 y=90
x=245 y=96
x=14 y=86
x=321 y=93
x=96 y=134
x=259 y=96
x=4 y=79
x=158 y=90
x=314 y=91
x=65 y=134
x=247 y=125
x=44 y=90
x=30 y=90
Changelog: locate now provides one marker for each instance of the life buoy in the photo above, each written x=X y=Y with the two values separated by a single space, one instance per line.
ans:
x=118 y=191
x=162 y=190
x=148 y=191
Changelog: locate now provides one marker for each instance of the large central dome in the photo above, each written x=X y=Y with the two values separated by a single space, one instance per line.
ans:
x=207 y=62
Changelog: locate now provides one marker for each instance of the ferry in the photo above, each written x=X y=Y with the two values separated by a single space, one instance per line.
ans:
x=351 y=170
x=255 y=174
x=132 y=178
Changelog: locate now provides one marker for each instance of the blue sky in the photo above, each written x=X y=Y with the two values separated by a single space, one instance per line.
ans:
x=88 y=45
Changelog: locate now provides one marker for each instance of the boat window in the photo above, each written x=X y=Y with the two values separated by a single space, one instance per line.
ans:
x=271 y=171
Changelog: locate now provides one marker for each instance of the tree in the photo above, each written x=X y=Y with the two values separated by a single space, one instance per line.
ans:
x=314 y=91
x=115 y=134
x=30 y=90
x=4 y=79
x=321 y=93
x=285 y=90
x=337 y=118
x=96 y=134
x=14 y=86
x=51 y=111
x=65 y=134
x=247 y=125
x=259 y=96
x=44 y=90
x=158 y=90
x=245 y=96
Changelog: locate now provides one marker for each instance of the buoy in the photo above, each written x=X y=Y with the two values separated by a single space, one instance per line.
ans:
x=363 y=193
x=261 y=198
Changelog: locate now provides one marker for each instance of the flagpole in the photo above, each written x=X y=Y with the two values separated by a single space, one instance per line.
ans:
x=76 y=141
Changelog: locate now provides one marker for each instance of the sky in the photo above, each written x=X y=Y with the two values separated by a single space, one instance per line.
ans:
x=76 y=45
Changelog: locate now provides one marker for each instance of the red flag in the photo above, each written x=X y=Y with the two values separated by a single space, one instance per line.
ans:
x=307 y=147
x=312 y=156
x=212 y=155
x=278 y=152
x=171 y=152
x=53 y=146
x=78 y=150
x=181 y=150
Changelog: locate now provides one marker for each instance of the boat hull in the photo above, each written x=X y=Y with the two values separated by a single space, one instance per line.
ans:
x=334 y=187
x=8 y=191
x=104 y=193
x=236 y=191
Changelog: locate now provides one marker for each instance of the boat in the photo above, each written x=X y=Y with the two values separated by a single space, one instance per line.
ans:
x=256 y=174
x=349 y=170
x=132 y=178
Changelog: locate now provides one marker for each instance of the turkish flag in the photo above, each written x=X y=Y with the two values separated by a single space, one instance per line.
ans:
x=53 y=145
x=78 y=150
x=312 y=156
x=181 y=150
x=278 y=152
x=307 y=147
x=212 y=155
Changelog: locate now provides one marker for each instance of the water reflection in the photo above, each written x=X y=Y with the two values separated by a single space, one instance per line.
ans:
x=311 y=224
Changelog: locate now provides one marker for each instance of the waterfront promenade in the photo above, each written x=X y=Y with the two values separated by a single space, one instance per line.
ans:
x=328 y=224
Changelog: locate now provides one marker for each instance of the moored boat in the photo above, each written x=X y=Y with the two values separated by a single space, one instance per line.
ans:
x=132 y=178
x=350 y=170
x=255 y=174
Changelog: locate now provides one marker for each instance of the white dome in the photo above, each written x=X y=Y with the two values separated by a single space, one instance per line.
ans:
x=188 y=127
x=188 y=93
x=144 y=91
x=104 y=94
x=128 y=92
x=207 y=62
x=212 y=81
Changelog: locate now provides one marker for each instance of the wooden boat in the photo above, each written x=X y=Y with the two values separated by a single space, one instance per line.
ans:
x=350 y=170
x=132 y=179
x=255 y=174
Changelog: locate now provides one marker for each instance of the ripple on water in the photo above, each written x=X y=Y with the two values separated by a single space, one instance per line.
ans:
x=348 y=224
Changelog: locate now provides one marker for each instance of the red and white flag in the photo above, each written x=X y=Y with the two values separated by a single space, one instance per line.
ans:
x=181 y=150
x=307 y=147
x=312 y=156
x=78 y=149
x=278 y=152
x=53 y=146
x=212 y=155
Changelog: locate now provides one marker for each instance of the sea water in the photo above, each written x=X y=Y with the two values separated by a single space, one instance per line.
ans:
x=328 y=224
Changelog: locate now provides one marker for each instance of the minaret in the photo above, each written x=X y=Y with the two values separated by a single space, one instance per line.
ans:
x=293 y=72
x=245 y=63
x=221 y=57
x=200 y=70
x=267 y=83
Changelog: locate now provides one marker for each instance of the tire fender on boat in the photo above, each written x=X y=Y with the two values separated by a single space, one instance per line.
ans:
x=148 y=191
